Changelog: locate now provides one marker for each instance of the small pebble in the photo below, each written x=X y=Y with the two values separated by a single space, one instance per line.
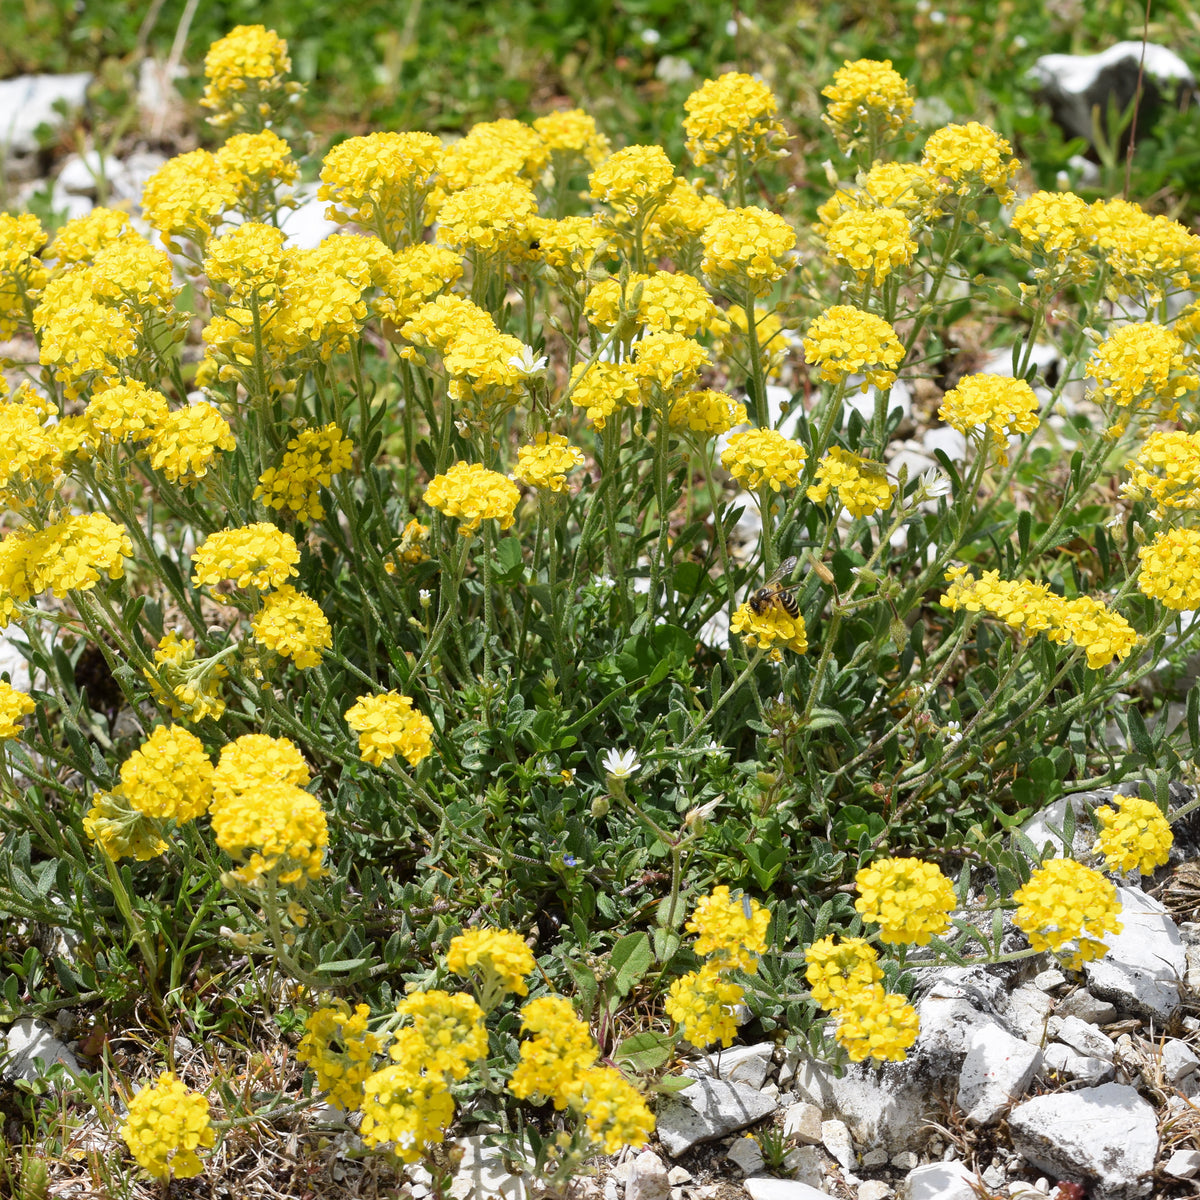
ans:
x=906 y=1160
x=1048 y=981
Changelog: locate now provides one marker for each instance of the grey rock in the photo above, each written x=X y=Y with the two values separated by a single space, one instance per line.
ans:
x=959 y=1001
x=995 y=1074
x=306 y=226
x=1105 y=1136
x=1049 y=980
x=884 y=1106
x=1075 y=84
x=482 y=1174
x=805 y=1163
x=1028 y=1011
x=1192 y=977
x=29 y=101
x=648 y=1178
x=946 y=438
x=835 y=1137
x=802 y=1124
x=1144 y=966
x=1086 y=1007
x=738 y=1064
x=906 y=1160
x=746 y=1155
x=874 y=1158
x=1183 y=1164
x=708 y=1109
x=940 y=1181
x=1080 y=1036
x=1081 y=1067
x=764 y=1187
x=32 y=1047
x=1178 y=1060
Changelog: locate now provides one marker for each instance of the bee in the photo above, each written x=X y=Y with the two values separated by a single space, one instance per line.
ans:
x=774 y=592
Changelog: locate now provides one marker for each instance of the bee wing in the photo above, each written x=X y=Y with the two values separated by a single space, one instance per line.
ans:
x=747 y=908
x=784 y=569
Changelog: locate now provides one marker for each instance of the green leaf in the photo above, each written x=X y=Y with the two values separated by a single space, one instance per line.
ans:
x=668 y=1085
x=645 y=1051
x=343 y=964
x=586 y=985
x=1139 y=735
x=630 y=959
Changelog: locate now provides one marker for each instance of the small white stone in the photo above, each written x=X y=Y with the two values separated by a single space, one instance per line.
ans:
x=874 y=1189
x=1081 y=1037
x=906 y=1160
x=746 y=1155
x=764 y=1187
x=1062 y=1060
x=835 y=1136
x=1183 y=1164
x=941 y=1181
x=1086 y=1007
x=648 y=1179
x=802 y=1123
x=1049 y=980
x=677 y=1176
x=875 y=1158
x=1178 y=1060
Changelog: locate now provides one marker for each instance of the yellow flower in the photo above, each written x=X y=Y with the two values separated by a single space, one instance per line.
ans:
x=187 y=198
x=572 y=133
x=194 y=690
x=120 y=830
x=22 y=274
x=1143 y=366
x=1065 y=902
x=545 y=463
x=493 y=152
x=488 y=218
x=1171 y=569
x=908 y=899
x=165 y=1127
x=253 y=760
x=1004 y=405
x=615 y=1113
x=1135 y=834
x=82 y=238
x=973 y=158
x=764 y=457
x=707 y=412
x=553 y=1058
x=1167 y=470
x=258 y=555
x=1060 y=226
x=603 y=387
x=14 y=706
x=293 y=625
x=747 y=250
x=447 y=1033
x=169 y=775
x=185 y=444
x=702 y=1004
x=872 y=242
x=274 y=827
x=388 y=725
x=634 y=180
x=772 y=625
x=867 y=99
x=310 y=462
x=408 y=1107
x=128 y=410
x=413 y=277
x=339 y=1048
x=732 y=931
x=732 y=116
x=837 y=969
x=499 y=954
x=862 y=485
x=873 y=1023
x=472 y=494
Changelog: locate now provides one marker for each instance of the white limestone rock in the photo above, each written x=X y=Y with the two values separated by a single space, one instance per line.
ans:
x=1046 y=828
x=1178 y=1061
x=1081 y=1037
x=482 y=1174
x=764 y=1187
x=32 y=1047
x=738 y=1064
x=1028 y=1011
x=1183 y=1164
x=1086 y=1007
x=1145 y=964
x=746 y=1155
x=708 y=1109
x=802 y=1124
x=835 y=1137
x=1064 y=1061
x=1049 y=980
x=874 y=1189
x=995 y=1074
x=32 y=100
x=648 y=1178
x=1106 y=1137
x=940 y=1181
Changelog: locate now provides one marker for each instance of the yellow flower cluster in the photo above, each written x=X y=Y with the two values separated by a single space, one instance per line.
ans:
x=169 y=776
x=867 y=99
x=271 y=827
x=472 y=494
x=493 y=152
x=746 y=250
x=845 y=341
x=846 y=980
x=544 y=464
x=447 y=1033
x=22 y=274
x=71 y=553
x=165 y=1127
x=128 y=410
x=414 y=276
x=908 y=899
x=1134 y=835
x=388 y=725
x=187 y=198
x=1066 y=902
x=488 y=218
x=707 y=412
x=862 y=486
x=1170 y=569
x=633 y=181
x=1001 y=404
x=1146 y=254
x=973 y=158
x=255 y=164
x=33 y=451
x=604 y=387
x=313 y=457
x=189 y=689
x=669 y=362
x=15 y=705
x=1032 y=607
x=259 y=555
x=340 y=1049
x=185 y=445
x=572 y=133
x=1142 y=366
x=120 y=830
x=1167 y=471
x=244 y=71
x=702 y=1003
x=82 y=238
x=667 y=302
x=255 y=759
x=732 y=116
x=1060 y=226
x=410 y=1108
x=764 y=458
x=872 y=242
x=568 y=246
x=678 y=223
x=293 y=626
x=501 y=958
